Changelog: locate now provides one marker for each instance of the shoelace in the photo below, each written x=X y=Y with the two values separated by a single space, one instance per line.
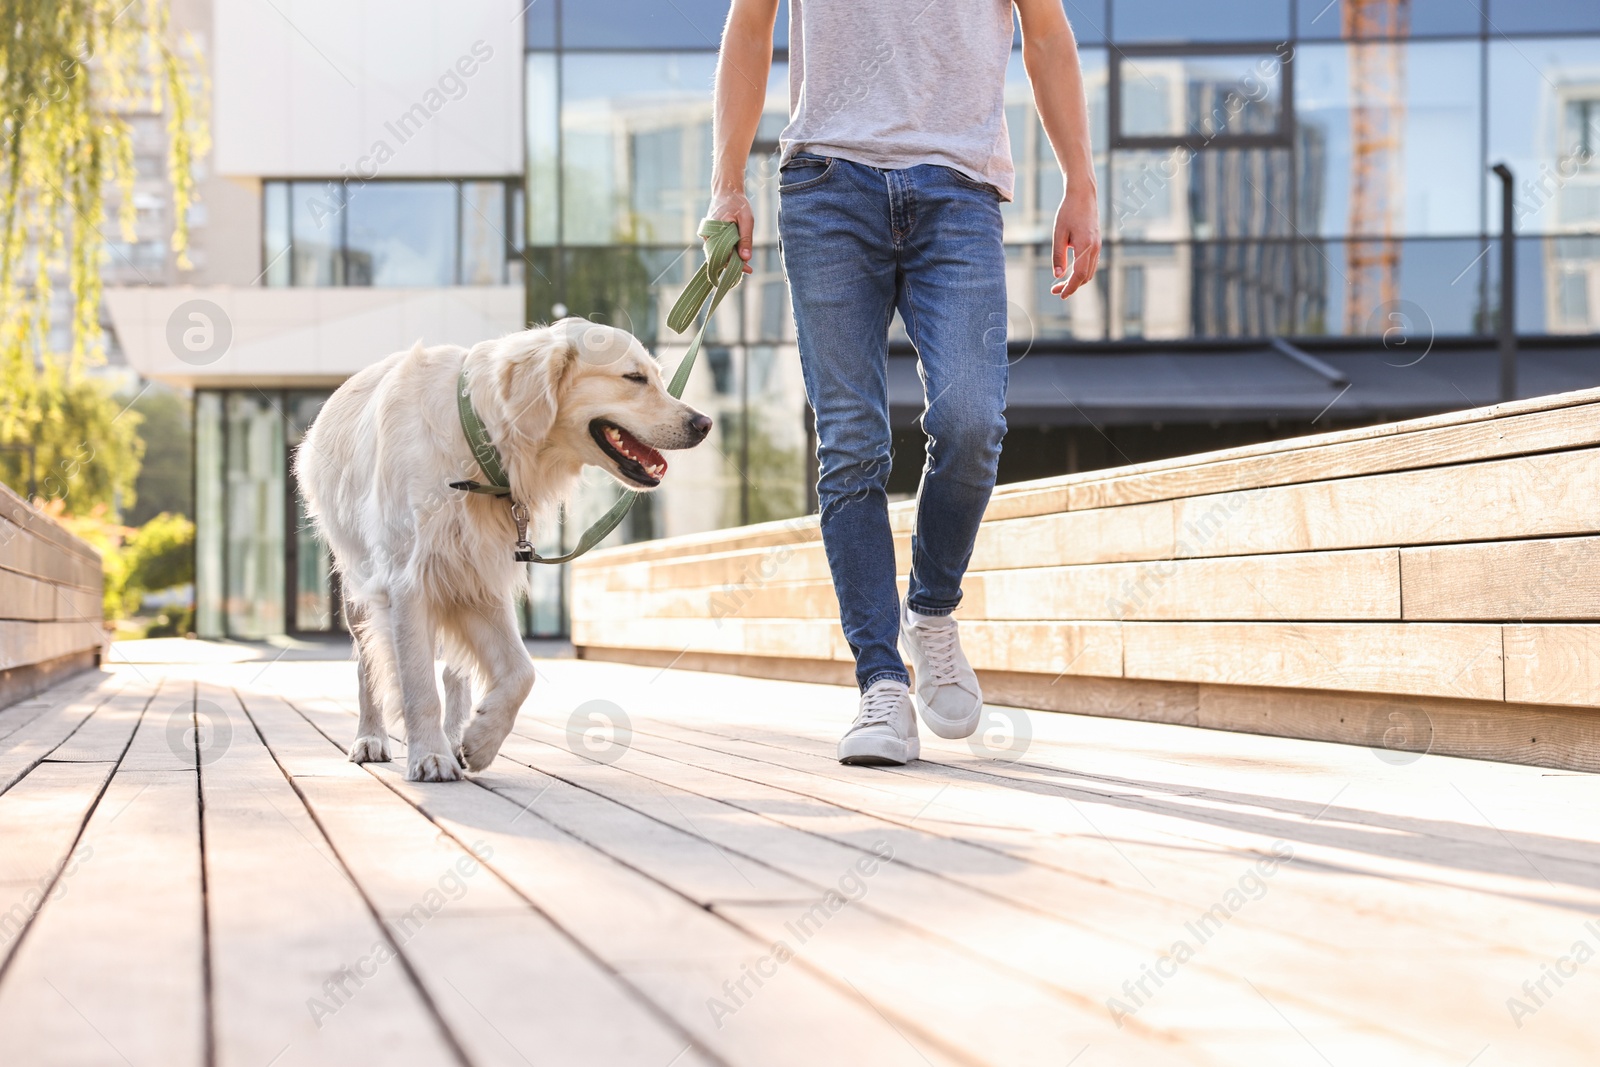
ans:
x=878 y=707
x=939 y=647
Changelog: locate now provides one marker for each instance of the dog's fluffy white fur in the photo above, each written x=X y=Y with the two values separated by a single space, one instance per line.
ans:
x=424 y=566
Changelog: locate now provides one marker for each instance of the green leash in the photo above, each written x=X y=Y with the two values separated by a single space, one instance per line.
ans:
x=715 y=279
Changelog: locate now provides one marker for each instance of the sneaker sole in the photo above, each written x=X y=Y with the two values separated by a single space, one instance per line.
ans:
x=945 y=728
x=876 y=752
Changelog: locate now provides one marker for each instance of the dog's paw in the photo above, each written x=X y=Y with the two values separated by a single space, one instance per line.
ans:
x=370 y=750
x=482 y=742
x=433 y=767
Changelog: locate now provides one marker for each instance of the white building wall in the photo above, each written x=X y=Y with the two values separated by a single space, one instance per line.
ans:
x=376 y=88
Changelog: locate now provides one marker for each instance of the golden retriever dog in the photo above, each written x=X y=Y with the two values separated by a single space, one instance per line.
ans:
x=425 y=566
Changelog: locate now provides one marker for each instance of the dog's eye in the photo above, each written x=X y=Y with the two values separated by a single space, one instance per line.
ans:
x=642 y=379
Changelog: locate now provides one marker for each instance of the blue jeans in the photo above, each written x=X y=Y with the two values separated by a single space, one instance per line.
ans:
x=858 y=244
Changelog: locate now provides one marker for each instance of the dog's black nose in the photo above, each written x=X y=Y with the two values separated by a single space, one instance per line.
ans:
x=701 y=425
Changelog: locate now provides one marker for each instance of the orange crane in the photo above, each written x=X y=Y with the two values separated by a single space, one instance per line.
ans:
x=1377 y=166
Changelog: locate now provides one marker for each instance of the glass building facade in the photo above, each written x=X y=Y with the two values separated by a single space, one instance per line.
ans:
x=1268 y=169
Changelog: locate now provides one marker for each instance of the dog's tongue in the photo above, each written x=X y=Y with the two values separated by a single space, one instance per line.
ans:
x=634 y=448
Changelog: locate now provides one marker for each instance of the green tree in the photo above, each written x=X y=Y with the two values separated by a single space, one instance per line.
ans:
x=70 y=70
x=164 y=482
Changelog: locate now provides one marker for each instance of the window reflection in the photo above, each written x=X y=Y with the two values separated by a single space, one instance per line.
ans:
x=1544 y=122
x=636 y=140
x=401 y=234
x=1419 y=138
x=1322 y=19
x=389 y=233
x=1200 y=97
x=1185 y=20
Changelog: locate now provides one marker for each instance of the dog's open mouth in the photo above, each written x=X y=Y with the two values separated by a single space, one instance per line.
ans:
x=637 y=461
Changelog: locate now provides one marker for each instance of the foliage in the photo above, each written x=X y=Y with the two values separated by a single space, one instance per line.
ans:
x=87 y=449
x=164 y=482
x=105 y=536
x=70 y=73
x=159 y=555
x=147 y=559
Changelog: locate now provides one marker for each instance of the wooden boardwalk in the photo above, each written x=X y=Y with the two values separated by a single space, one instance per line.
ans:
x=706 y=885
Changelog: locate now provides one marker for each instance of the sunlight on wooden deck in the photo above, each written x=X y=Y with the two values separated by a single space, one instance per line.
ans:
x=669 y=868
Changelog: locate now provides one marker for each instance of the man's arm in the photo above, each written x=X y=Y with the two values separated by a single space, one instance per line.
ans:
x=741 y=93
x=1050 y=53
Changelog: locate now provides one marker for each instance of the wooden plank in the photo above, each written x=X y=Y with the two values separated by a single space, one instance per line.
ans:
x=1428 y=659
x=87 y=985
x=807 y=638
x=1332 y=585
x=1547 y=431
x=454 y=920
x=26 y=643
x=1398 y=729
x=679 y=956
x=1537 y=579
x=1528 y=496
x=1553 y=664
x=1360 y=584
x=40 y=819
x=24 y=748
x=297 y=975
x=105 y=735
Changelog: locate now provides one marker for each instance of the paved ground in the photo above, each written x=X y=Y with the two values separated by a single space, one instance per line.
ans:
x=669 y=868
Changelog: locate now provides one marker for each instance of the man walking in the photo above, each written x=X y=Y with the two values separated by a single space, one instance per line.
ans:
x=892 y=171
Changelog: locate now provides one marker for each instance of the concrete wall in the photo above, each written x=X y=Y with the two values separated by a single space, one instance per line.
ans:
x=298 y=336
x=50 y=591
x=375 y=88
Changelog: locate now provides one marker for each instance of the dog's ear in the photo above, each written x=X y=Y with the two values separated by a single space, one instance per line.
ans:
x=531 y=370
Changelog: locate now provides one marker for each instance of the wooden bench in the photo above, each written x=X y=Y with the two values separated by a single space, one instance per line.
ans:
x=50 y=601
x=1429 y=585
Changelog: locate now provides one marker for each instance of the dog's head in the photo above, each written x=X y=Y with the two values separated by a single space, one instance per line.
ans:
x=593 y=393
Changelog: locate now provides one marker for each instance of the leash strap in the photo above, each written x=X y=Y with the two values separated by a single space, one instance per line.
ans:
x=715 y=279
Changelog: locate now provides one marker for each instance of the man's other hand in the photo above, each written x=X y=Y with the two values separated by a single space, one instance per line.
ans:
x=1078 y=228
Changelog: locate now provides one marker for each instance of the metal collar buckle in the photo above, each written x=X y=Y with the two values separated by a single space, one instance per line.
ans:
x=524 y=551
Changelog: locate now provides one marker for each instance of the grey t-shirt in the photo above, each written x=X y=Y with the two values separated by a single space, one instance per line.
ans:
x=895 y=83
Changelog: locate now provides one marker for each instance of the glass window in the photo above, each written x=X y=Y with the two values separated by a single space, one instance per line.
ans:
x=543 y=140
x=1544 y=16
x=636 y=138
x=208 y=512
x=1185 y=20
x=392 y=233
x=401 y=234
x=1216 y=193
x=1200 y=98
x=484 y=240
x=643 y=23
x=317 y=210
x=313 y=562
x=539 y=24
x=1088 y=18
x=1324 y=19
x=1558 y=285
x=254 y=522
x=275 y=232
x=1544 y=105
x=1418 y=114
x=1427 y=287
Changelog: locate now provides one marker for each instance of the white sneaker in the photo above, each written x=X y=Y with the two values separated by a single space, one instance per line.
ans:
x=949 y=698
x=885 y=730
